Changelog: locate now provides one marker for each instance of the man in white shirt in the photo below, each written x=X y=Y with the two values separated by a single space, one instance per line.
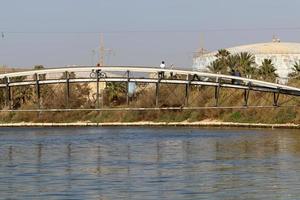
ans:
x=162 y=73
x=162 y=65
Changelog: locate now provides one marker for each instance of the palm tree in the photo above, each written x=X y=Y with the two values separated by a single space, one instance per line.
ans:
x=222 y=53
x=216 y=67
x=232 y=62
x=220 y=64
x=296 y=71
x=115 y=91
x=246 y=63
x=267 y=71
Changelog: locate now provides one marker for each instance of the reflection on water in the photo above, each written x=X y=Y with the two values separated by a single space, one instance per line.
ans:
x=149 y=163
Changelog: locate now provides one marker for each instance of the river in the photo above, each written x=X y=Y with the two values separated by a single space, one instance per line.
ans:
x=149 y=163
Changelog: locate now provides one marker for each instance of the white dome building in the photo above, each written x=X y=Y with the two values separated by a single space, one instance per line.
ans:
x=283 y=56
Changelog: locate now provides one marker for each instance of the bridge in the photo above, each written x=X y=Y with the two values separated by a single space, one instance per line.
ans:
x=144 y=76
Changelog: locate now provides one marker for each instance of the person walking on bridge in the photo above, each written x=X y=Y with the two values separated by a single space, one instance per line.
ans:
x=162 y=65
x=161 y=74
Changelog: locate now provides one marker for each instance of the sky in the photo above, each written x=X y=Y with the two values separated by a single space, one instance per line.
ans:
x=58 y=33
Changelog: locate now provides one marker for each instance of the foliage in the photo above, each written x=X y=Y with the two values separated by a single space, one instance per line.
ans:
x=22 y=94
x=243 y=62
x=116 y=92
x=233 y=62
x=220 y=65
x=267 y=71
x=296 y=71
x=40 y=67
x=235 y=116
x=216 y=67
x=222 y=53
x=246 y=62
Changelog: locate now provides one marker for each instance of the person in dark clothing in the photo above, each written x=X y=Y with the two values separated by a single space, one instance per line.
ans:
x=232 y=73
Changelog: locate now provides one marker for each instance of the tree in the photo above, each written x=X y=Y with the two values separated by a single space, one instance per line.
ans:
x=40 y=67
x=216 y=67
x=222 y=53
x=232 y=62
x=246 y=63
x=267 y=71
x=296 y=71
x=116 y=91
x=220 y=64
x=242 y=62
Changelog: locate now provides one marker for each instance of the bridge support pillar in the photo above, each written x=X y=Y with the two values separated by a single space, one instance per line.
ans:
x=97 y=92
x=127 y=87
x=246 y=94
x=187 y=93
x=217 y=93
x=37 y=90
x=67 y=75
x=7 y=93
x=157 y=94
x=276 y=98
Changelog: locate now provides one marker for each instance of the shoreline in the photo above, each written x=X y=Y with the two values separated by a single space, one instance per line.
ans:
x=149 y=124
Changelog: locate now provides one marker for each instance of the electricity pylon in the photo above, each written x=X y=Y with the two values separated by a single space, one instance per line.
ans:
x=102 y=51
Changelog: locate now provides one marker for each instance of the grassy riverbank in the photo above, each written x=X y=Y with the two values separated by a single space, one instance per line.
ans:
x=205 y=123
x=280 y=115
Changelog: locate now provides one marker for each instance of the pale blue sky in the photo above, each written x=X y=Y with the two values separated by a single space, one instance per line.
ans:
x=140 y=32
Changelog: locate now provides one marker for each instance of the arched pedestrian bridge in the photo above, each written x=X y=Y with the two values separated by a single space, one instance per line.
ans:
x=137 y=79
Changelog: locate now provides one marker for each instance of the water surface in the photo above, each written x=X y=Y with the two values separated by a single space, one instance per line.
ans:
x=149 y=163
